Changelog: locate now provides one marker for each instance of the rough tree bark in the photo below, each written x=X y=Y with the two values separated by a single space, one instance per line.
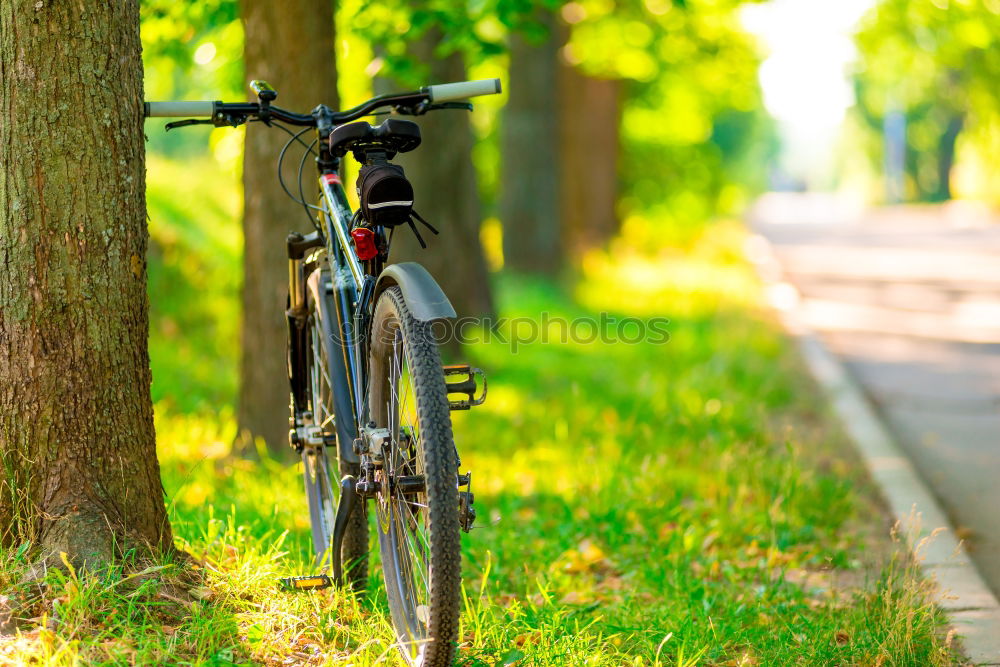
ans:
x=446 y=195
x=291 y=46
x=530 y=177
x=79 y=471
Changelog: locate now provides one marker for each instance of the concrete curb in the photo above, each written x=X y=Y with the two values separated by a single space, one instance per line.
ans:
x=970 y=605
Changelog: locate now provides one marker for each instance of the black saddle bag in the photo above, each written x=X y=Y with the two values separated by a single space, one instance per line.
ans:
x=386 y=196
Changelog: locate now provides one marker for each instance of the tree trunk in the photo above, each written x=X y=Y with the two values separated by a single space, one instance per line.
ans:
x=291 y=46
x=446 y=194
x=80 y=473
x=946 y=155
x=589 y=121
x=530 y=179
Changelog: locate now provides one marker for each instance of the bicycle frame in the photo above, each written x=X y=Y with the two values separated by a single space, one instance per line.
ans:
x=336 y=275
x=351 y=286
x=352 y=282
x=343 y=291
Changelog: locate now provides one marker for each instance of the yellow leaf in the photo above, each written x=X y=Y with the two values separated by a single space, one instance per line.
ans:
x=590 y=552
x=69 y=566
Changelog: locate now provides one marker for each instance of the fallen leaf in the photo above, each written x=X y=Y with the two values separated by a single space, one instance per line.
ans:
x=590 y=552
x=202 y=593
x=527 y=638
x=612 y=583
x=571 y=597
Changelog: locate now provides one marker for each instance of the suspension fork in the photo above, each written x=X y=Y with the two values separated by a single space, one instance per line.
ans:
x=298 y=245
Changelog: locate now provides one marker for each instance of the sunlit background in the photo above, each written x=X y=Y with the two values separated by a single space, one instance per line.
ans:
x=806 y=81
x=716 y=167
x=720 y=102
x=871 y=102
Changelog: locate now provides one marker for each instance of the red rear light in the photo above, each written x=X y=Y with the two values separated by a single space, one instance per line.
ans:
x=364 y=243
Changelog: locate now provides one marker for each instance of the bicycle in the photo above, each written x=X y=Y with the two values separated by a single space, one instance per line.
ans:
x=364 y=369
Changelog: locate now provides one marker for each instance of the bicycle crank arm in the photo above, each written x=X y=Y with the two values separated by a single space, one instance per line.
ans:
x=345 y=507
x=466 y=512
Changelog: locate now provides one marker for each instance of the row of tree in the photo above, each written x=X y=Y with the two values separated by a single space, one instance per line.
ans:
x=77 y=444
x=545 y=95
x=931 y=69
x=571 y=69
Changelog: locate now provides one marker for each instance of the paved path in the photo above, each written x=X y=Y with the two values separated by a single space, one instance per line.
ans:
x=909 y=298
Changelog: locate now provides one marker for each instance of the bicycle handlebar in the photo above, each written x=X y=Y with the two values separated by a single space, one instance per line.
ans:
x=446 y=92
x=177 y=108
x=412 y=103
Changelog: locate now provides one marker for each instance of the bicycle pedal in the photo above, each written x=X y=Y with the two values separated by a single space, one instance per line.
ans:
x=309 y=582
x=466 y=512
x=467 y=385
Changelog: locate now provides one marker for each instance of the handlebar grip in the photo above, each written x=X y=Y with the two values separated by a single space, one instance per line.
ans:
x=178 y=108
x=445 y=92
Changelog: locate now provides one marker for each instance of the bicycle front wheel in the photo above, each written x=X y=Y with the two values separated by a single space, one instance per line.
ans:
x=417 y=498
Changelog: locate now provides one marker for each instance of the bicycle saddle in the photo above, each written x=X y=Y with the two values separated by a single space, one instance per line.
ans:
x=393 y=135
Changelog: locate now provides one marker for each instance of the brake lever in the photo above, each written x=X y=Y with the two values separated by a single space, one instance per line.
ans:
x=457 y=105
x=220 y=120
x=424 y=107
x=189 y=121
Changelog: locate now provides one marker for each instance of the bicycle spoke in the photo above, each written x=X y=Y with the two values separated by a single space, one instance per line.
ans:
x=321 y=494
x=419 y=549
x=410 y=542
x=419 y=559
x=321 y=384
x=413 y=503
x=395 y=374
x=420 y=568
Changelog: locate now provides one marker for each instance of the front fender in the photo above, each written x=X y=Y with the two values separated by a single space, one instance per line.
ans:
x=422 y=295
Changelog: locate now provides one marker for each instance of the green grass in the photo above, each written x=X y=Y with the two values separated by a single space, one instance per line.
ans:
x=676 y=504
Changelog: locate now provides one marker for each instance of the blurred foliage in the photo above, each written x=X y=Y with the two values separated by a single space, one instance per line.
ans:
x=194 y=256
x=936 y=63
x=694 y=132
x=477 y=29
x=693 y=136
x=191 y=50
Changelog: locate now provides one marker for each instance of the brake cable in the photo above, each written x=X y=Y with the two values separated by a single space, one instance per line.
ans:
x=302 y=195
x=281 y=157
x=419 y=110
